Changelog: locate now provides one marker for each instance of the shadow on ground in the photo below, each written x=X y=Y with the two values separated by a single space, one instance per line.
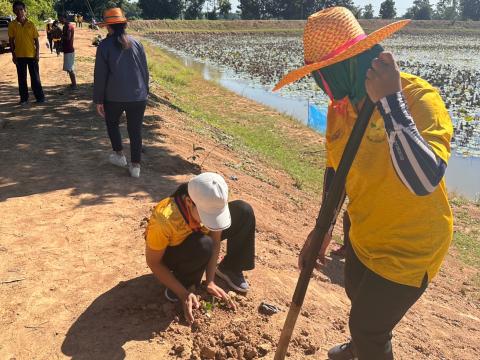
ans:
x=63 y=144
x=334 y=269
x=129 y=311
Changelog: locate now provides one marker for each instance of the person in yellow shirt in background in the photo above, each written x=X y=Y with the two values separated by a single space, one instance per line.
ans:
x=23 y=37
x=183 y=241
x=401 y=221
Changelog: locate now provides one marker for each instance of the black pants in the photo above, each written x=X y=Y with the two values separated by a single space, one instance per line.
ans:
x=377 y=306
x=33 y=69
x=57 y=45
x=50 y=43
x=346 y=229
x=189 y=260
x=134 y=111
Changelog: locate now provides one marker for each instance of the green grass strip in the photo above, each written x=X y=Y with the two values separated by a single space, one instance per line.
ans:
x=468 y=247
x=261 y=132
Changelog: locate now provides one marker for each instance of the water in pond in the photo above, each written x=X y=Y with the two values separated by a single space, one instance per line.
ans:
x=463 y=173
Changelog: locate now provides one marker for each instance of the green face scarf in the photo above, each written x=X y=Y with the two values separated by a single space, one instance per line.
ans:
x=347 y=78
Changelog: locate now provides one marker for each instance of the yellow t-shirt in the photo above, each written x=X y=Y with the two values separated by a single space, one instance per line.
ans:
x=395 y=233
x=24 y=36
x=167 y=226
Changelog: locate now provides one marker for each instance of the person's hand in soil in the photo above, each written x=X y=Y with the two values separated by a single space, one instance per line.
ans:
x=302 y=258
x=383 y=78
x=218 y=292
x=189 y=303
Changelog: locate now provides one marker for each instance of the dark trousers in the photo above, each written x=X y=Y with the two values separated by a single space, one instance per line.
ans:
x=33 y=69
x=134 y=111
x=50 y=43
x=189 y=260
x=377 y=306
x=346 y=229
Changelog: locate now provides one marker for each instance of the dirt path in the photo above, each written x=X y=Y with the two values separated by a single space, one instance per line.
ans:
x=73 y=278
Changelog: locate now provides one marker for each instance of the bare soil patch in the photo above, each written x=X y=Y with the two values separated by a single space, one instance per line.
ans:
x=74 y=283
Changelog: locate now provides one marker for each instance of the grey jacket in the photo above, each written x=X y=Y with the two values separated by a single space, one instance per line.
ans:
x=121 y=75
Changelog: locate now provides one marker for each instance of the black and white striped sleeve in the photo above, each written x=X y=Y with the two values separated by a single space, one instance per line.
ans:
x=416 y=164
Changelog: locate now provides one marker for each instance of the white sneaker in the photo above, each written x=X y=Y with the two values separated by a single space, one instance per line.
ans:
x=118 y=160
x=134 y=171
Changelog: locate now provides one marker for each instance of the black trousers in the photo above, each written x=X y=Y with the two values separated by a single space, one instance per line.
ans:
x=135 y=111
x=346 y=229
x=33 y=69
x=377 y=306
x=50 y=43
x=189 y=260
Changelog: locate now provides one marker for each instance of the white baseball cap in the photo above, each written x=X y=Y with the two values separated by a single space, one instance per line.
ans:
x=209 y=192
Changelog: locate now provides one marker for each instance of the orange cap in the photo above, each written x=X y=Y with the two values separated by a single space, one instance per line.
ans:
x=113 y=16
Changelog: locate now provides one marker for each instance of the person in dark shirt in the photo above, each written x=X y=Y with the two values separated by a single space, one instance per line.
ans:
x=121 y=85
x=48 y=30
x=68 y=49
x=57 y=37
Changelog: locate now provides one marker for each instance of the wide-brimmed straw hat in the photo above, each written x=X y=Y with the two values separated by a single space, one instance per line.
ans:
x=333 y=35
x=113 y=16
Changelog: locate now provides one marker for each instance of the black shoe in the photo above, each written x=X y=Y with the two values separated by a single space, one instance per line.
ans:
x=342 y=352
x=23 y=102
x=40 y=101
x=234 y=279
x=171 y=296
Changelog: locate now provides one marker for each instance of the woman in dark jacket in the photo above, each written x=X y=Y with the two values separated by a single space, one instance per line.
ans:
x=121 y=84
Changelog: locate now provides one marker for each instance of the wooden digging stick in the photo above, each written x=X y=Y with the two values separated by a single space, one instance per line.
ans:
x=325 y=218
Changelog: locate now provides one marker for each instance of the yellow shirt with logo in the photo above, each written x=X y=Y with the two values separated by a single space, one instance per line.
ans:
x=24 y=36
x=395 y=233
x=167 y=226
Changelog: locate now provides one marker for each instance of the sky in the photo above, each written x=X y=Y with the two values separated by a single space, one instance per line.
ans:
x=400 y=5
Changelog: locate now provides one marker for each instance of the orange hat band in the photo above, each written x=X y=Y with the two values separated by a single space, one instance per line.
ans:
x=113 y=16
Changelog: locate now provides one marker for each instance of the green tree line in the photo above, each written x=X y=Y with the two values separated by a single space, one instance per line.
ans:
x=37 y=9
x=420 y=9
x=248 y=9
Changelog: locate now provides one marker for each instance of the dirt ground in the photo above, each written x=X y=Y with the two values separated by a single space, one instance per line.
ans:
x=73 y=279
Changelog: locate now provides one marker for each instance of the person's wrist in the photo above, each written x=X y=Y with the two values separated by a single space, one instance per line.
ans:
x=390 y=102
x=183 y=295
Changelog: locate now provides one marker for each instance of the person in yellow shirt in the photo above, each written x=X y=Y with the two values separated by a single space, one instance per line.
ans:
x=401 y=221
x=23 y=37
x=183 y=240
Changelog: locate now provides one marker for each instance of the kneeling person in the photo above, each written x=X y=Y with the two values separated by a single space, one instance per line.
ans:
x=183 y=240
